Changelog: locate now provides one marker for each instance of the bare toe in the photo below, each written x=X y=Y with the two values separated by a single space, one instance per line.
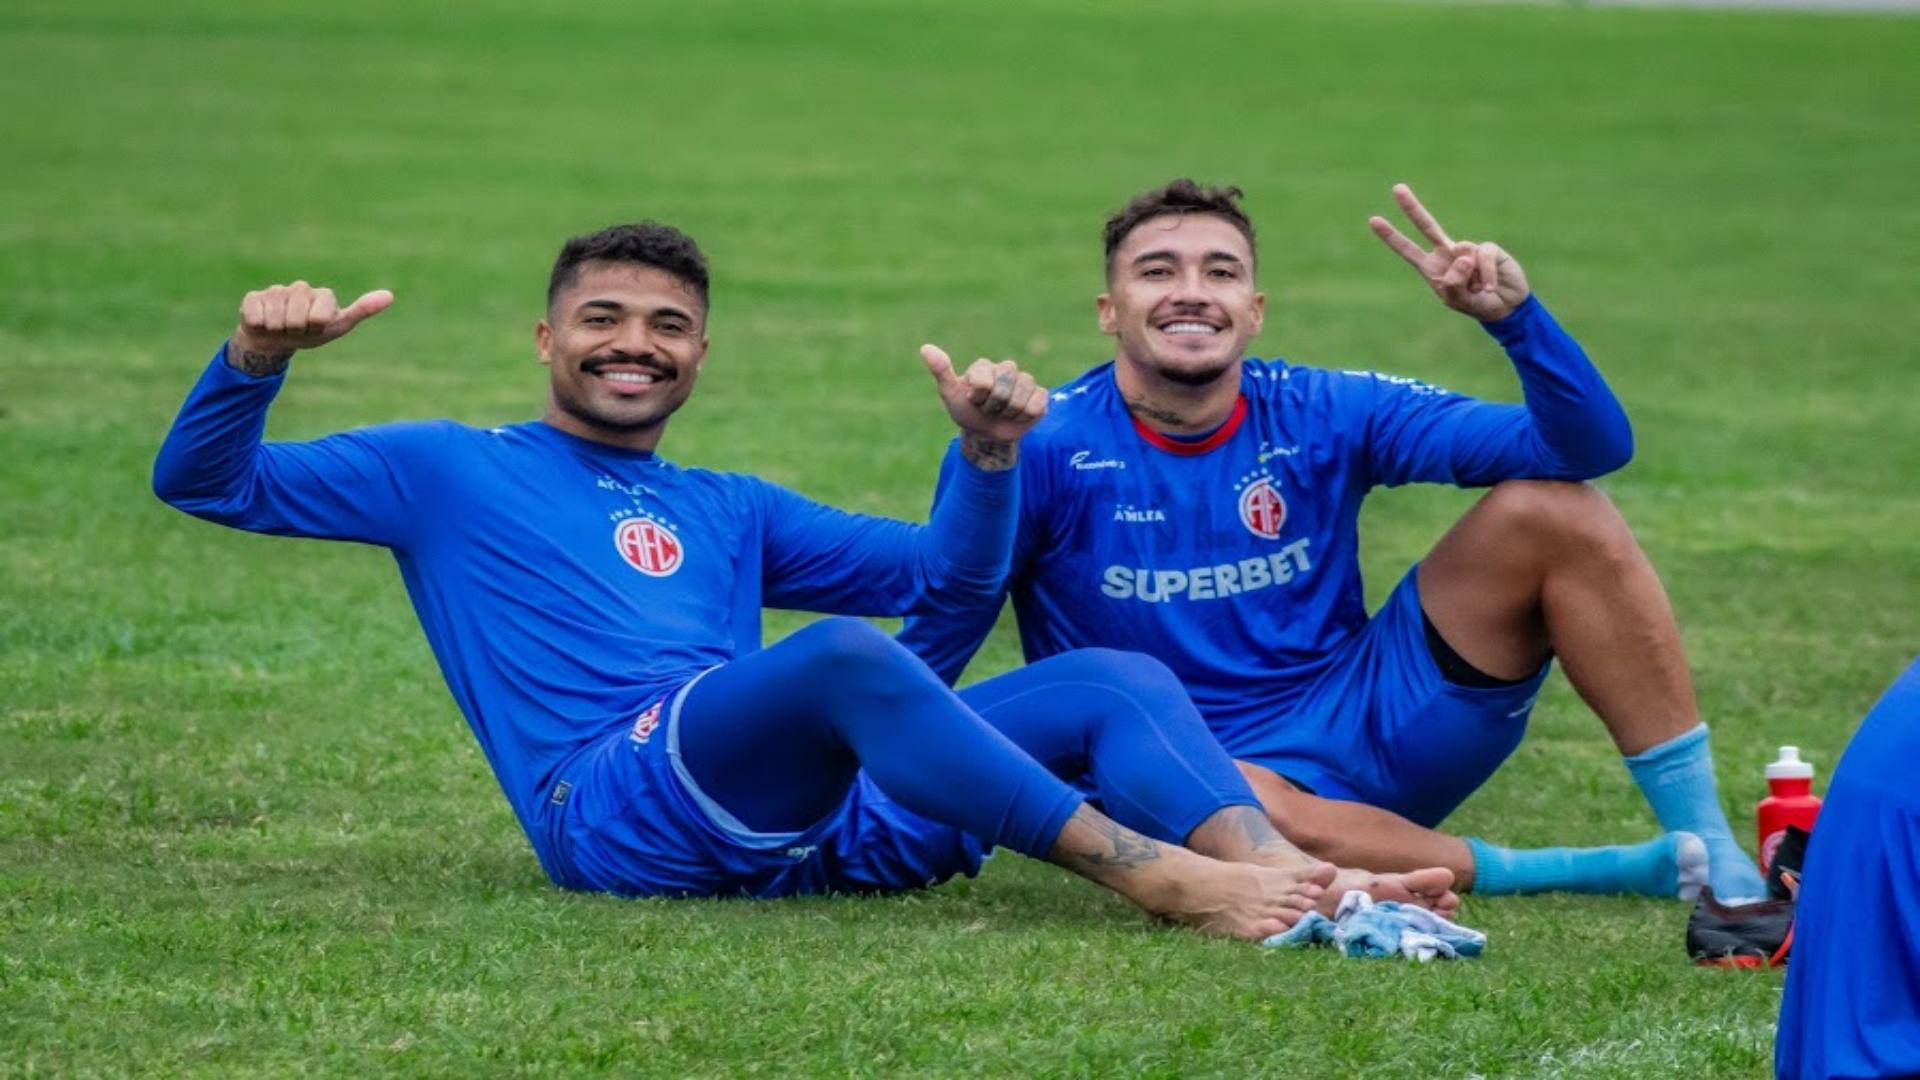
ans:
x=1430 y=888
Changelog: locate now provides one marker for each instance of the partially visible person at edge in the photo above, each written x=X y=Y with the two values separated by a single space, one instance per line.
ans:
x=595 y=610
x=1186 y=501
x=1852 y=1004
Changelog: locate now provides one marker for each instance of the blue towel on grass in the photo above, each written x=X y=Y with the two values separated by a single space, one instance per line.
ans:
x=1360 y=927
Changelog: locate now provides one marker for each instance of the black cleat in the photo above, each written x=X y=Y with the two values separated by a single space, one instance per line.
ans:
x=1740 y=936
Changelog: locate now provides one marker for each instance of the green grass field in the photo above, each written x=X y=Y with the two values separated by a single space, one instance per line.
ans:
x=243 y=829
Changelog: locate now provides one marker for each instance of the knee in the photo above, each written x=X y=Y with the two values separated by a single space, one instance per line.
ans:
x=1562 y=517
x=1121 y=669
x=844 y=646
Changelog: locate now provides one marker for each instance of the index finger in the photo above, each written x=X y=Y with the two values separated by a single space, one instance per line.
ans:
x=1416 y=213
x=982 y=376
x=1407 y=249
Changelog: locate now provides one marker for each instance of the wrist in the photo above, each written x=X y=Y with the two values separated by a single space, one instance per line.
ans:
x=990 y=454
x=1513 y=313
x=249 y=357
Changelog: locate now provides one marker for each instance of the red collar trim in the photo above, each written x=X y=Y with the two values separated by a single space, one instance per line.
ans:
x=1212 y=442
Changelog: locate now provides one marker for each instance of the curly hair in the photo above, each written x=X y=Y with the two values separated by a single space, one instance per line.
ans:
x=1180 y=198
x=648 y=243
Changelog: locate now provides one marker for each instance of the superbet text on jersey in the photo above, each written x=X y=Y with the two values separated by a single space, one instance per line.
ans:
x=1234 y=557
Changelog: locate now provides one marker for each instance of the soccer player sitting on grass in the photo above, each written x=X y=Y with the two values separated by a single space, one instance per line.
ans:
x=1190 y=503
x=595 y=610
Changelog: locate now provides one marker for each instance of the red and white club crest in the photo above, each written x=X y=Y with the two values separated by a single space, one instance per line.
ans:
x=1262 y=510
x=649 y=547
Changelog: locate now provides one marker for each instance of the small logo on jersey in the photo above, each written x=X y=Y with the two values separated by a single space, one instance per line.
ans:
x=1082 y=460
x=803 y=853
x=648 y=546
x=645 y=725
x=1262 y=510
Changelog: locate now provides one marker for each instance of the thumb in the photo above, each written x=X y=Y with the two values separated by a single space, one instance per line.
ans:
x=939 y=363
x=365 y=308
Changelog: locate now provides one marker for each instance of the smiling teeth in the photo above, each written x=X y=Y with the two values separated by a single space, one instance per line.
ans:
x=626 y=376
x=1189 y=328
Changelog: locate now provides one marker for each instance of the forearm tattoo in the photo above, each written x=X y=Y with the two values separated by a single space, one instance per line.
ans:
x=989 y=454
x=257 y=363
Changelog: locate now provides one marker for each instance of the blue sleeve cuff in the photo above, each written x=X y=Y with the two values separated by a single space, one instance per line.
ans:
x=1514 y=327
x=982 y=488
x=238 y=376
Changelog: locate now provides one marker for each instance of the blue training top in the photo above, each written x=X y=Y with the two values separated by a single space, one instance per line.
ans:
x=1235 y=558
x=1851 y=1008
x=565 y=584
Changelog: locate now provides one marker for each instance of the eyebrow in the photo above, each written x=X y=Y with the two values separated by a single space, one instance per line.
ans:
x=1168 y=256
x=616 y=306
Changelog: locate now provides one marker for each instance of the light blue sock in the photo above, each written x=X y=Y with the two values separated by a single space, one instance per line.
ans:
x=1677 y=779
x=1673 y=865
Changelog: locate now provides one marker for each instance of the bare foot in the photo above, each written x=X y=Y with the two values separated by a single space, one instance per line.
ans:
x=1241 y=900
x=1431 y=888
x=1225 y=899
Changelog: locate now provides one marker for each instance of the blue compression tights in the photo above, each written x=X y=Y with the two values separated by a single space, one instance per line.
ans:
x=777 y=738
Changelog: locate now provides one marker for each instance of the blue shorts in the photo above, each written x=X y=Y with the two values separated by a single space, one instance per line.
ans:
x=636 y=824
x=1382 y=725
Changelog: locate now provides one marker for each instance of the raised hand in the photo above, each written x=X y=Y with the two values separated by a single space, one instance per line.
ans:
x=277 y=320
x=1477 y=279
x=993 y=403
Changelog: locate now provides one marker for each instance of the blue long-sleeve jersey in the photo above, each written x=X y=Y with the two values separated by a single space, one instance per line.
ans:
x=1235 y=558
x=563 y=584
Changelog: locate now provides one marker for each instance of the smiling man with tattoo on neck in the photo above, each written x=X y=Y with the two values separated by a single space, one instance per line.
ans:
x=1202 y=507
x=596 y=612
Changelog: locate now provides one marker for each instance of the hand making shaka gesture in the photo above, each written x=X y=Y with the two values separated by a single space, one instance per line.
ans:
x=1477 y=279
x=993 y=404
x=279 y=319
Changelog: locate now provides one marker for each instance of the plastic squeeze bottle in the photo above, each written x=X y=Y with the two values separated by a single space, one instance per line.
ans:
x=1790 y=801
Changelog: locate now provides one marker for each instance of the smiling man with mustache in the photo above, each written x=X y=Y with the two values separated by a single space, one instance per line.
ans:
x=595 y=610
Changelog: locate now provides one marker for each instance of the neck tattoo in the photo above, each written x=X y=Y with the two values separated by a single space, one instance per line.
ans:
x=1139 y=407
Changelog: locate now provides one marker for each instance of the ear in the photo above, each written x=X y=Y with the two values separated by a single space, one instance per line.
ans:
x=700 y=357
x=543 y=342
x=1259 y=311
x=1109 y=318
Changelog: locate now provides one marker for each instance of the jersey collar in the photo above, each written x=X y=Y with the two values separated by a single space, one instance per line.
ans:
x=1189 y=449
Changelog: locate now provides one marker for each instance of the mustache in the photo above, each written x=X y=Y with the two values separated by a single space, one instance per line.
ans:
x=592 y=365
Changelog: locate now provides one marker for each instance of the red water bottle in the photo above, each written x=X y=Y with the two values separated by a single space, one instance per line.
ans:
x=1791 y=802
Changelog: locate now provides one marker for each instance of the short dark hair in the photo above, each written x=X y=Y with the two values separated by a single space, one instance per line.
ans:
x=1179 y=197
x=648 y=243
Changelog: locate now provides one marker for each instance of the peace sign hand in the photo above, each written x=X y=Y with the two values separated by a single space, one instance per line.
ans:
x=1477 y=279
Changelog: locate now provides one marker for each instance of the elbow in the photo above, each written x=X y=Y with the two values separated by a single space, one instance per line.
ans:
x=1612 y=453
x=1604 y=451
x=176 y=487
x=966 y=591
x=169 y=485
x=963 y=588
x=1617 y=447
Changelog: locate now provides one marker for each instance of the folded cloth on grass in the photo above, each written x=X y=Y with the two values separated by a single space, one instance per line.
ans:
x=1361 y=927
